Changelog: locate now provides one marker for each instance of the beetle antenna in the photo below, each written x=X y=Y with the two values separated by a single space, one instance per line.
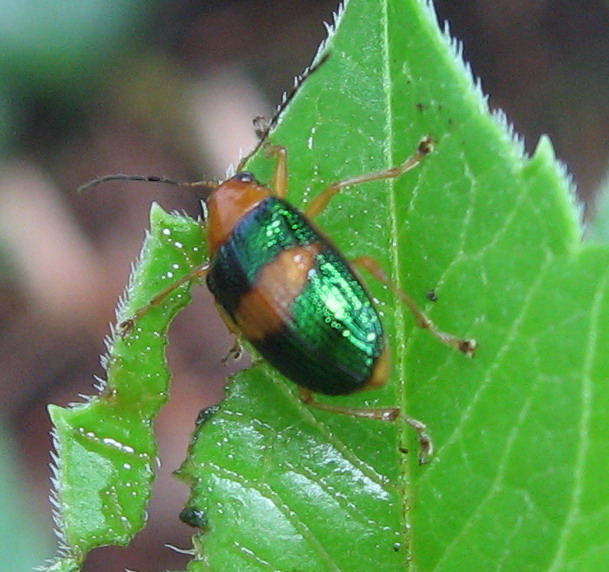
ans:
x=263 y=130
x=264 y=126
x=146 y=179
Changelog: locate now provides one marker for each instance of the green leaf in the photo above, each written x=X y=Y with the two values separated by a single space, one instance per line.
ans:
x=521 y=432
x=496 y=236
x=106 y=450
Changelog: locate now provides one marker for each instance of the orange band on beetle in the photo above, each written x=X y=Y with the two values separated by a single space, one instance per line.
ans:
x=265 y=309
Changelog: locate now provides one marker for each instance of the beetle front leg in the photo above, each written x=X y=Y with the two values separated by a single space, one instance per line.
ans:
x=320 y=202
x=279 y=152
x=280 y=176
x=127 y=325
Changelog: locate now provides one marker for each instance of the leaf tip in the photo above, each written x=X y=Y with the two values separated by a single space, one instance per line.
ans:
x=544 y=154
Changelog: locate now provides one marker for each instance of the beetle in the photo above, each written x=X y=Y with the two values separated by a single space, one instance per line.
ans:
x=280 y=283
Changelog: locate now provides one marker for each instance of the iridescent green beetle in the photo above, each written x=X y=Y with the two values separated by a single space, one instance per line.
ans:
x=280 y=283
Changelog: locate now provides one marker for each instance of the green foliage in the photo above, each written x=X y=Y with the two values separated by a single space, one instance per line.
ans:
x=106 y=447
x=520 y=431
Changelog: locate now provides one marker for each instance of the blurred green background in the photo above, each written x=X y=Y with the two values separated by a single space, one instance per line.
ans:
x=91 y=87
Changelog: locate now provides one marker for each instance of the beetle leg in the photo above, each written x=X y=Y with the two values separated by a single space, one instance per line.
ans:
x=382 y=414
x=468 y=347
x=127 y=325
x=280 y=176
x=320 y=202
x=235 y=352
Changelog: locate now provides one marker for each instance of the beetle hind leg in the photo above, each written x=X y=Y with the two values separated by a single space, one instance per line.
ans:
x=390 y=414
